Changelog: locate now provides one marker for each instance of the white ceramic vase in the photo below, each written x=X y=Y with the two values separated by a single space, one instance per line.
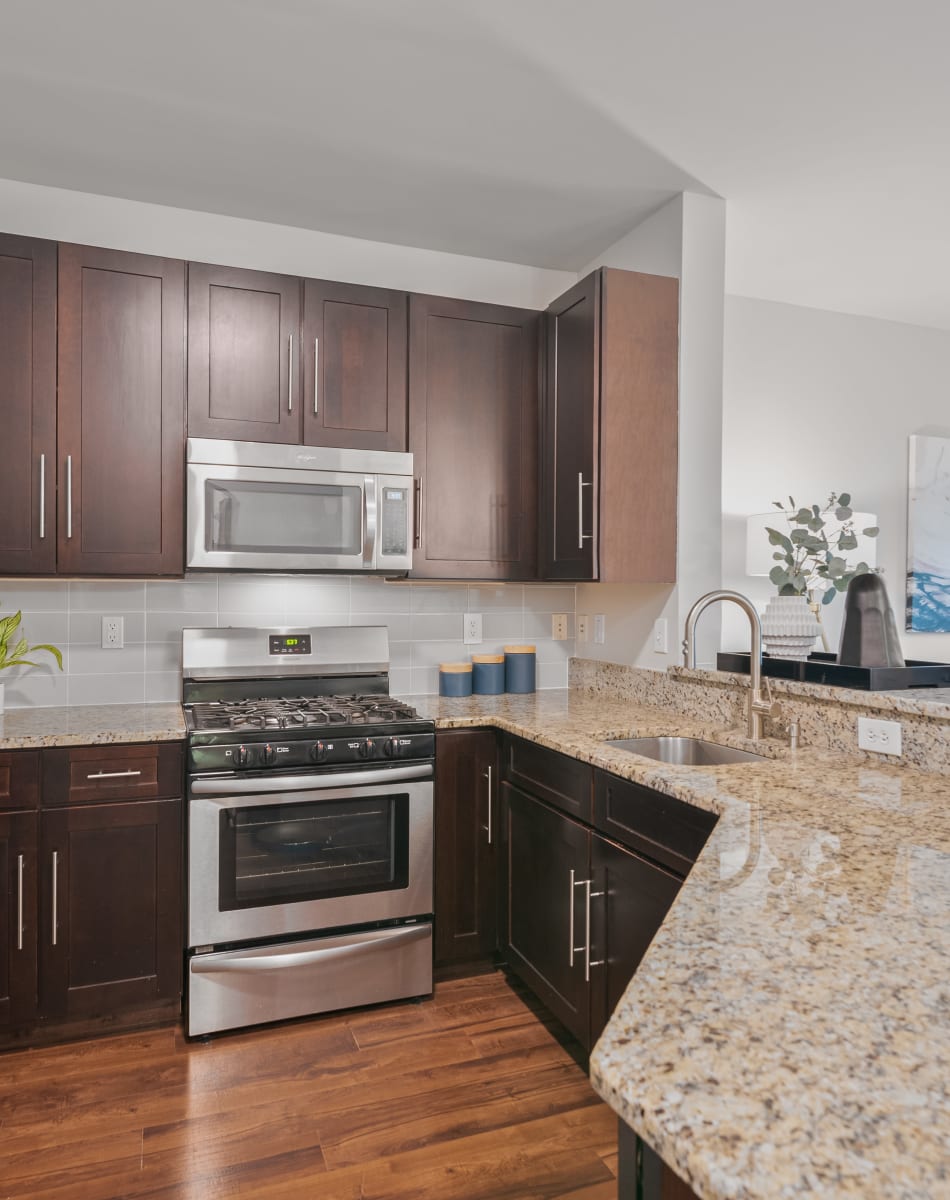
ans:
x=789 y=627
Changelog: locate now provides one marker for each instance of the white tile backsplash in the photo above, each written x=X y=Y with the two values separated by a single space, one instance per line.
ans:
x=424 y=621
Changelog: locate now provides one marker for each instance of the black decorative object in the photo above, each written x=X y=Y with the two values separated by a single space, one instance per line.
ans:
x=869 y=636
x=824 y=668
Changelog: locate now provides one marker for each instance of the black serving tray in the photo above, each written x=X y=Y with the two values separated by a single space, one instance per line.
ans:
x=825 y=668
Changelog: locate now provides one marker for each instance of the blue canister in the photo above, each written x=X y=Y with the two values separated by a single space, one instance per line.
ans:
x=488 y=674
x=455 y=679
x=520 y=668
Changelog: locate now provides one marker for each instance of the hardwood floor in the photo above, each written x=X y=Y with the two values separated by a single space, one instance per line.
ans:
x=465 y=1095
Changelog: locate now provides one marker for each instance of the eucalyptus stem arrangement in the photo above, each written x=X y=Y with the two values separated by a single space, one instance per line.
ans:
x=811 y=556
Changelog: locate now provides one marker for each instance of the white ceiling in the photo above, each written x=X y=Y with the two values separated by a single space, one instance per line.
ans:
x=535 y=131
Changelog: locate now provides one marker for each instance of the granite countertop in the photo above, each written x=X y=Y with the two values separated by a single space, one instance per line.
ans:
x=788 y=1032
x=90 y=724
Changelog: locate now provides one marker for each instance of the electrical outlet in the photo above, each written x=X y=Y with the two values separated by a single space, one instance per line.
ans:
x=661 y=636
x=600 y=628
x=559 y=627
x=883 y=737
x=113 y=633
x=472 y=629
x=583 y=632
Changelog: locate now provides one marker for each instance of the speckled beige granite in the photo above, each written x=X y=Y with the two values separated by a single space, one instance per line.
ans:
x=87 y=725
x=788 y=1033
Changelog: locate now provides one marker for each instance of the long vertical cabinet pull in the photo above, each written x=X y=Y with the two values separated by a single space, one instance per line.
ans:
x=69 y=495
x=42 y=495
x=588 y=896
x=488 y=827
x=20 y=867
x=570 y=923
x=316 y=377
x=290 y=373
x=582 y=537
x=55 y=923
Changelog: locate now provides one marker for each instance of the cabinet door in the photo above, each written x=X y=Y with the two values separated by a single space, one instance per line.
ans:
x=569 y=474
x=28 y=405
x=354 y=353
x=635 y=896
x=466 y=833
x=110 y=908
x=473 y=404
x=17 y=917
x=121 y=413
x=243 y=355
x=548 y=856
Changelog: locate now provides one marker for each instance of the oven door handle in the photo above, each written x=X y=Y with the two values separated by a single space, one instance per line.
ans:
x=275 y=785
x=215 y=965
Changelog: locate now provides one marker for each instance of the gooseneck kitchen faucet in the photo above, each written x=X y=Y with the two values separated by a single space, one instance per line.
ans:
x=760 y=705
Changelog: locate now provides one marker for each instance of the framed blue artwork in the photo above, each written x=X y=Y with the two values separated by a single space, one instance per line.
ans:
x=928 y=535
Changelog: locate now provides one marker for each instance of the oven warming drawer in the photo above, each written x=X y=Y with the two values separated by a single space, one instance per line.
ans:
x=234 y=988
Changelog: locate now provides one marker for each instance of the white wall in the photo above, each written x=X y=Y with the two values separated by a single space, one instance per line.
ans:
x=685 y=239
x=815 y=401
x=67 y=216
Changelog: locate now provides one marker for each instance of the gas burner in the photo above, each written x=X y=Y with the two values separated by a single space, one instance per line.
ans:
x=298 y=712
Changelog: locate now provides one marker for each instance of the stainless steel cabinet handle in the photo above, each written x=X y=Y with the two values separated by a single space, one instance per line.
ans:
x=417 y=515
x=278 y=962
x=228 y=786
x=588 y=896
x=316 y=377
x=69 y=495
x=55 y=896
x=20 y=865
x=488 y=775
x=581 y=535
x=42 y=495
x=112 y=774
x=570 y=923
x=290 y=373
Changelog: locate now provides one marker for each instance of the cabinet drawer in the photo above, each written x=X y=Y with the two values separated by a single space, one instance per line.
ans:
x=668 y=830
x=560 y=780
x=90 y=774
x=19 y=779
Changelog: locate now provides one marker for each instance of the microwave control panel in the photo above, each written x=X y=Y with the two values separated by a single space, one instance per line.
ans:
x=395 y=523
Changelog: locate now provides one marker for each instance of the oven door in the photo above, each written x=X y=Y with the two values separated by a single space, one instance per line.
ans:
x=263 y=518
x=269 y=856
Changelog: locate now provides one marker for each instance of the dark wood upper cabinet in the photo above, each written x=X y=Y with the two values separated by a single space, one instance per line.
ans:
x=467 y=831
x=473 y=403
x=354 y=372
x=110 y=909
x=28 y=405
x=120 y=413
x=609 y=430
x=243 y=355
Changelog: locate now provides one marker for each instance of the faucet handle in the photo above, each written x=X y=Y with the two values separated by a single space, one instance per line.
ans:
x=767 y=705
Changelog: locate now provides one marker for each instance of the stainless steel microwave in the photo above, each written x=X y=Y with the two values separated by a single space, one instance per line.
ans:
x=260 y=507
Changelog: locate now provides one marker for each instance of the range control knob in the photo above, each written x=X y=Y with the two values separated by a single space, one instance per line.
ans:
x=268 y=754
x=318 y=752
x=243 y=756
x=391 y=747
x=366 y=748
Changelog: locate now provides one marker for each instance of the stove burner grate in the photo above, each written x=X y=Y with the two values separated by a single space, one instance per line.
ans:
x=299 y=712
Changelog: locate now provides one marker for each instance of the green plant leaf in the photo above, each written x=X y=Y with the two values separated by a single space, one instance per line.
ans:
x=871 y=531
x=844 y=499
x=779 y=576
x=777 y=538
x=779 y=556
x=19 y=662
x=842 y=513
x=841 y=585
x=829 y=595
x=847 y=541
x=803 y=516
x=57 y=654
x=791 y=502
x=778 y=504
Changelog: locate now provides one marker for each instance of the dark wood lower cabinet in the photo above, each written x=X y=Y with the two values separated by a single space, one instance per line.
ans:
x=547 y=862
x=110 y=909
x=17 y=917
x=643 y=1175
x=467 y=826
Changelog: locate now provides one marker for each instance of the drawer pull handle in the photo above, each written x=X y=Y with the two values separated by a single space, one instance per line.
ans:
x=488 y=827
x=55 y=895
x=113 y=774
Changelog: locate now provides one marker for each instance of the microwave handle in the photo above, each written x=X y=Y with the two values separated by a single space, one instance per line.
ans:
x=370 y=510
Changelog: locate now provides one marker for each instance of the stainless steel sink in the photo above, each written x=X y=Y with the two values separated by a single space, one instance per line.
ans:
x=685 y=751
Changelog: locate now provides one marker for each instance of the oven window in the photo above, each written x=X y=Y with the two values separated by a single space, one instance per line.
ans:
x=295 y=518
x=312 y=851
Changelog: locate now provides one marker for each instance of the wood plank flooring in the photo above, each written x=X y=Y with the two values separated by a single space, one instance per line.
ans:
x=465 y=1095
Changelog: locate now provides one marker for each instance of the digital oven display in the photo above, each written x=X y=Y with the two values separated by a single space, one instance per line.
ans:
x=289 y=643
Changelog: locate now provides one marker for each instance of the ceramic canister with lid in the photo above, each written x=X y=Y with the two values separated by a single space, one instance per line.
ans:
x=488 y=674
x=520 y=668
x=455 y=679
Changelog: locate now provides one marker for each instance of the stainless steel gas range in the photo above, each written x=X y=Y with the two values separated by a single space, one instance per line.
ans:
x=309 y=826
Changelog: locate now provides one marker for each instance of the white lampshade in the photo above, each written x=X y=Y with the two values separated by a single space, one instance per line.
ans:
x=759 y=551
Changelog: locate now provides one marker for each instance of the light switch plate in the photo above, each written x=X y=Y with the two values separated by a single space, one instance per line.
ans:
x=583 y=623
x=661 y=636
x=882 y=737
x=600 y=628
